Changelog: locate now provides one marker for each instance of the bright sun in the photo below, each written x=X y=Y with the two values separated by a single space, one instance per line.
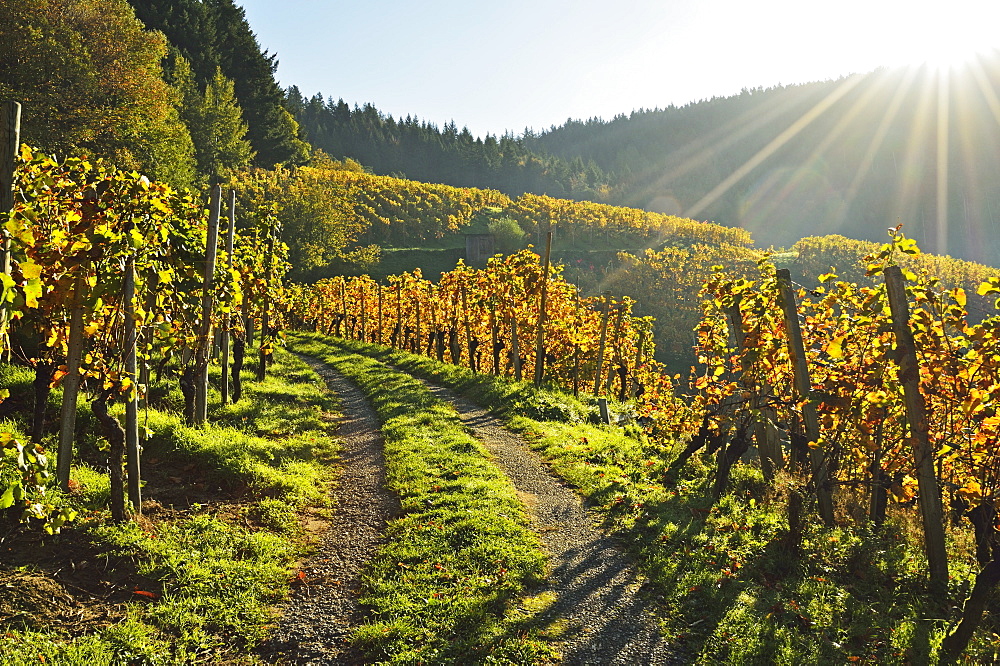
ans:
x=942 y=34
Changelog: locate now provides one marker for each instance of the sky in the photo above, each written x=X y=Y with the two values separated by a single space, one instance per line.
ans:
x=507 y=66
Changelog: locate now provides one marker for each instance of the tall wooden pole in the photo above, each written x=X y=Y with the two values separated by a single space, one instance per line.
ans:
x=803 y=385
x=602 y=341
x=639 y=348
x=230 y=236
x=71 y=385
x=468 y=329
x=378 y=329
x=398 y=341
x=364 y=311
x=916 y=418
x=265 y=315
x=615 y=345
x=10 y=142
x=133 y=467
x=515 y=348
x=207 y=301
x=540 y=333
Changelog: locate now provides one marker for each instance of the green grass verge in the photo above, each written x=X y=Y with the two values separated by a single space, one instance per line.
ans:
x=450 y=586
x=217 y=568
x=734 y=593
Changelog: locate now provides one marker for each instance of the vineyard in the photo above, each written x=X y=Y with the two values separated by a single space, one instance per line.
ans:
x=855 y=399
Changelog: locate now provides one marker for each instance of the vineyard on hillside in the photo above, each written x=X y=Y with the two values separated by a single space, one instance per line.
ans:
x=878 y=391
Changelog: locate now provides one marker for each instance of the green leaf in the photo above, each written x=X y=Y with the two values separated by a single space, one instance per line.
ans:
x=32 y=292
x=7 y=499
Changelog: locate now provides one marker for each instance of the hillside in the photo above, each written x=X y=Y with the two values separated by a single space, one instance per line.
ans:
x=851 y=157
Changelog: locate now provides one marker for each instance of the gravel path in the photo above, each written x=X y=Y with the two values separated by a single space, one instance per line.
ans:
x=318 y=620
x=599 y=593
x=599 y=597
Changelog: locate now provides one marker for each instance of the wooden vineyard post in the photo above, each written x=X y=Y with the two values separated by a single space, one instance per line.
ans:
x=378 y=327
x=495 y=342
x=576 y=345
x=468 y=329
x=397 y=341
x=416 y=332
x=454 y=346
x=803 y=384
x=132 y=464
x=515 y=349
x=343 y=305
x=615 y=342
x=71 y=386
x=364 y=312
x=602 y=341
x=916 y=417
x=10 y=141
x=633 y=377
x=768 y=452
x=265 y=307
x=228 y=320
x=207 y=300
x=540 y=333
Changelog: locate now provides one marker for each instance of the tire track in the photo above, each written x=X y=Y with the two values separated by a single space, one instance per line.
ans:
x=599 y=592
x=317 y=622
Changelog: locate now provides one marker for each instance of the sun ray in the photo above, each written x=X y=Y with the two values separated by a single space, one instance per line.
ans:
x=807 y=118
x=704 y=150
x=912 y=173
x=844 y=123
x=943 y=148
x=868 y=159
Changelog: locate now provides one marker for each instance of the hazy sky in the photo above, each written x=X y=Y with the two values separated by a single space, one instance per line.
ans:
x=496 y=66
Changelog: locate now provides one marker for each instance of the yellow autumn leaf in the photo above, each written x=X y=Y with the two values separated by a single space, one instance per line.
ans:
x=836 y=347
x=91 y=329
x=30 y=270
x=971 y=491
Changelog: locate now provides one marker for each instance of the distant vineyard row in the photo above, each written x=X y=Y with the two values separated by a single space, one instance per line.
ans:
x=399 y=212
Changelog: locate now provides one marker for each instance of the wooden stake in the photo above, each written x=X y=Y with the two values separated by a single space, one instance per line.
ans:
x=364 y=311
x=803 y=385
x=468 y=329
x=602 y=341
x=638 y=361
x=71 y=386
x=207 y=300
x=495 y=341
x=615 y=345
x=378 y=328
x=397 y=334
x=515 y=348
x=132 y=403
x=265 y=315
x=540 y=333
x=10 y=143
x=916 y=417
x=227 y=318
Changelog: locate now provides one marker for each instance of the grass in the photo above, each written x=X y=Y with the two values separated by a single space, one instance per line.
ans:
x=205 y=573
x=734 y=592
x=453 y=585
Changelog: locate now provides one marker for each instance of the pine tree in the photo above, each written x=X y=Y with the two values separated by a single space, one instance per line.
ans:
x=215 y=121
